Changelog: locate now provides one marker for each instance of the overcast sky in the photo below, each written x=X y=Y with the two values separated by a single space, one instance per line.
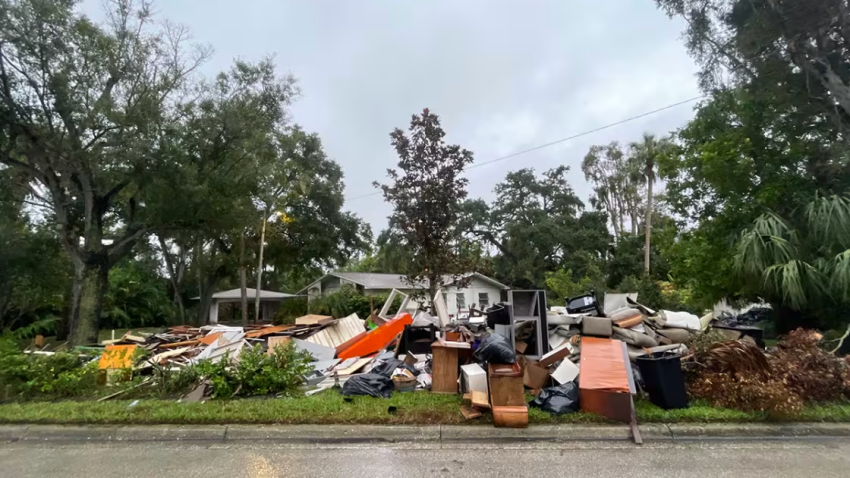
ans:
x=503 y=75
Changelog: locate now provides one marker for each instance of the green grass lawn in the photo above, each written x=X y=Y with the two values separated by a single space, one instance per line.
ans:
x=419 y=408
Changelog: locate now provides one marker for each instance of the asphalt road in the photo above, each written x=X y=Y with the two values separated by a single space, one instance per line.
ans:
x=821 y=458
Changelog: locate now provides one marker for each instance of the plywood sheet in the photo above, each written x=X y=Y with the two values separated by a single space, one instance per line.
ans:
x=267 y=331
x=275 y=341
x=313 y=319
x=210 y=338
x=358 y=364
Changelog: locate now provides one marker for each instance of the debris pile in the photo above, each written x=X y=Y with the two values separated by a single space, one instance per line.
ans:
x=578 y=357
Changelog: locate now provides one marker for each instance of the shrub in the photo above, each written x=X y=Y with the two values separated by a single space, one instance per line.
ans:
x=346 y=301
x=30 y=376
x=257 y=373
x=290 y=309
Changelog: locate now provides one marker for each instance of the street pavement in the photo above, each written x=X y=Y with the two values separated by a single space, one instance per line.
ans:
x=808 y=457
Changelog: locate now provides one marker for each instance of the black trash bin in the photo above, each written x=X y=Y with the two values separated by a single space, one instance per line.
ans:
x=497 y=315
x=662 y=376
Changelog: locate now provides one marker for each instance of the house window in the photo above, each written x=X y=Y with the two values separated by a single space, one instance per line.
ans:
x=461 y=301
x=446 y=298
x=483 y=300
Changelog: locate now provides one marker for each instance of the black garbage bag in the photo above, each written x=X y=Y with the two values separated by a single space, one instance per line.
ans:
x=496 y=349
x=559 y=400
x=370 y=384
x=387 y=367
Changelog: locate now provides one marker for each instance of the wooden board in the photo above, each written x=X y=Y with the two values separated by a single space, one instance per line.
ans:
x=313 y=319
x=210 y=339
x=274 y=341
x=360 y=363
x=469 y=413
x=444 y=368
x=267 y=331
x=180 y=344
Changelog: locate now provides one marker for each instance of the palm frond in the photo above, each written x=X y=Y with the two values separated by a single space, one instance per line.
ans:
x=794 y=281
x=828 y=218
x=771 y=240
x=736 y=356
x=840 y=282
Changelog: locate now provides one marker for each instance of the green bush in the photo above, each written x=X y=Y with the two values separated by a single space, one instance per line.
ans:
x=30 y=376
x=256 y=373
x=346 y=301
x=660 y=295
x=136 y=297
x=290 y=309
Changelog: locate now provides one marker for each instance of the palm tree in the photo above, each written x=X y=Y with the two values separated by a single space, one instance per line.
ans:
x=804 y=260
x=643 y=162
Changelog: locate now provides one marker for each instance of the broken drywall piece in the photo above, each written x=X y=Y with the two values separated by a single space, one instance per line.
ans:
x=324 y=366
x=217 y=350
x=319 y=352
x=566 y=372
x=556 y=340
x=613 y=301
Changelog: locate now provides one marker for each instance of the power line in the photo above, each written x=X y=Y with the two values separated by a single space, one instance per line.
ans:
x=585 y=133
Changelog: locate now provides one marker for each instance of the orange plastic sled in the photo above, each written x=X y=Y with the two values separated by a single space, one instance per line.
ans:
x=377 y=339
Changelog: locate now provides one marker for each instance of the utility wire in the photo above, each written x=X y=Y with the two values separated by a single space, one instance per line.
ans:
x=559 y=141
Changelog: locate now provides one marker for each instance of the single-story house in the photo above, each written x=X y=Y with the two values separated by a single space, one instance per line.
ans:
x=481 y=291
x=269 y=302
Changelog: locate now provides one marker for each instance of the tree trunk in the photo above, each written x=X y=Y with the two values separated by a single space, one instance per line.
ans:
x=175 y=276
x=434 y=281
x=206 y=302
x=89 y=286
x=648 y=225
x=260 y=268
x=243 y=280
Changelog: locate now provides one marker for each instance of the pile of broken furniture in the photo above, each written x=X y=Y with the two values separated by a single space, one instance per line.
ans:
x=574 y=357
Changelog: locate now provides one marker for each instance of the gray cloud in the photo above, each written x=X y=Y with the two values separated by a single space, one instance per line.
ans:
x=503 y=75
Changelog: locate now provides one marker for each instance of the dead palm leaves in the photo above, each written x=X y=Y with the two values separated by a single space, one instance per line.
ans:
x=736 y=357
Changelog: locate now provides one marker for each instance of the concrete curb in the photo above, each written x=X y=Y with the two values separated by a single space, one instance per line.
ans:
x=411 y=435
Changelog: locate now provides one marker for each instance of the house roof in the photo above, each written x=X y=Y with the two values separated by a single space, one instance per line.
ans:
x=370 y=280
x=264 y=294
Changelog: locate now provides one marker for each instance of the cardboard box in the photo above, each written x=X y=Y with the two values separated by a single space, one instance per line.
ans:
x=535 y=375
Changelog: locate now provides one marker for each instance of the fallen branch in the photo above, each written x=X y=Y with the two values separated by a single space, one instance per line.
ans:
x=124 y=391
x=841 y=341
